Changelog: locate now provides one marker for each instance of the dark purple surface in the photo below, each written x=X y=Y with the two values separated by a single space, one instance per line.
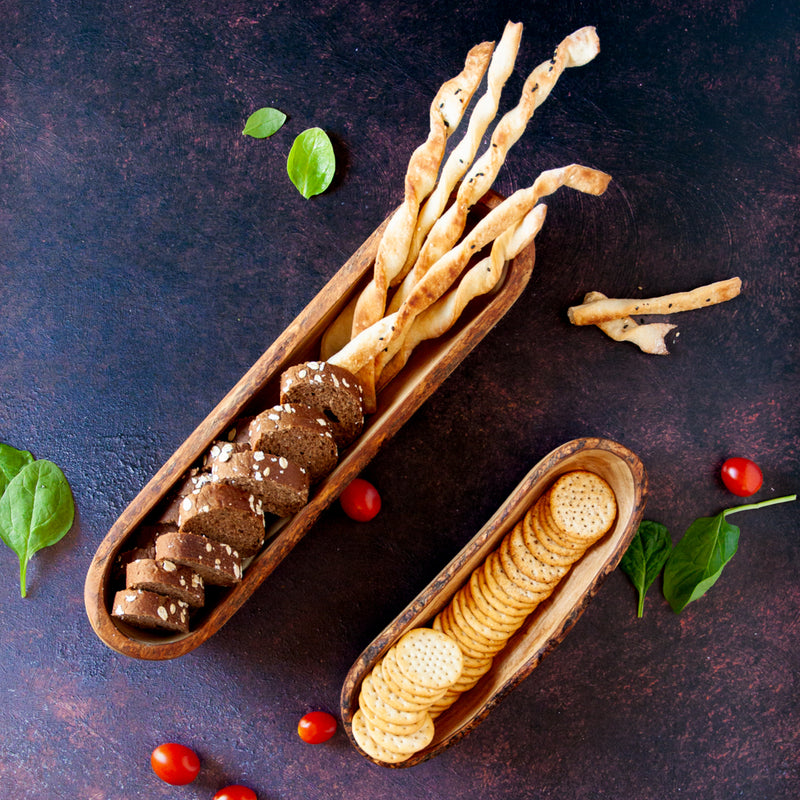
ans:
x=149 y=253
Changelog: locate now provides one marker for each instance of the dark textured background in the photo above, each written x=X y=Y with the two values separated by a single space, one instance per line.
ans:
x=149 y=253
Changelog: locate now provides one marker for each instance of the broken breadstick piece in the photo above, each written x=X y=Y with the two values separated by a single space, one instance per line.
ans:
x=649 y=338
x=593 y=313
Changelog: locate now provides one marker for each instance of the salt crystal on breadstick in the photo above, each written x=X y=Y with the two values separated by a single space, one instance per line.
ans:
x=606 y=309
x=480 y=279
x=576 y=50
x=500 y=68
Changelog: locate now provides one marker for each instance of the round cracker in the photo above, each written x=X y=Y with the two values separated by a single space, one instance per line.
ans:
x=402 y=685
x=429 y=658
x=402 y=743
x=469 y=646
x=545 y=575
x=365 y=741
x=492 y=594
x=507 y=589
x=397 y=728
x=550 y=536
x=401 y=702
x=488 y=615
x=369 y=698
x=529 y=554
x=582 y=504
x=489 y=647
x=538 y=550
x=487 y=629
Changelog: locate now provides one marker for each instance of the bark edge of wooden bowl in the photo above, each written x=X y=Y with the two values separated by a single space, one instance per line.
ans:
x=549 y=623
x=428 y=367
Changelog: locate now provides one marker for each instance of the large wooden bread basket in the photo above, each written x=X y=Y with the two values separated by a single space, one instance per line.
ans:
x=258 y=389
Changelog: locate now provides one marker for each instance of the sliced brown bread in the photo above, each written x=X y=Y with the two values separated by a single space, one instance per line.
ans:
x=222 y=451
x=216 y=563
x=145 y=609
x=298 y=433
x=226 y=514
x=279 y=484
x=333 y=390
x=168 y=578
x=191 y=483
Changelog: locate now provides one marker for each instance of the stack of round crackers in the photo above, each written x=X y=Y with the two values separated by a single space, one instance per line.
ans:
x=426 y=671
x=532 y=558
x=393 y=720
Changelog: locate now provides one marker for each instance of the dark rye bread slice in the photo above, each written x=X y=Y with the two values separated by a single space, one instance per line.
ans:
x=299 y=433
x=191 y=483
x=226 y=514
x=216 y=563
x=144 y=609
x=222 y=451
x=168 y=578
x=279 y=484
x=333 y=390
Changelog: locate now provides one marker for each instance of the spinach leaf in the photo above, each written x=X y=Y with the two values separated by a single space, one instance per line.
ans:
x=645 y=557
x=700 y=556
x=263 y=123
x=36 y=510
x=11 y=462
x=311 y=163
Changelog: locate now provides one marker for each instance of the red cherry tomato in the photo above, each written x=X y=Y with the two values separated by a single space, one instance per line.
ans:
x=360 y=500
x=742 y=476
x=235 y=792
x=316 y=727
x=175 y=763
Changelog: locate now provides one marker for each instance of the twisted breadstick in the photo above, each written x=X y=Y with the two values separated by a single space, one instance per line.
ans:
x=446 y=112
x=649 y=338
x=383 y=339
x=480 y=279
x=576 y=50
x=500 y=68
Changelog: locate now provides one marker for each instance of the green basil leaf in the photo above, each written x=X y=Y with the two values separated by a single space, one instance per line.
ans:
x=11 y=462
x=36 y=510
x=698 y=560
x=311 y=163
x=648 y=551
x=263 y=123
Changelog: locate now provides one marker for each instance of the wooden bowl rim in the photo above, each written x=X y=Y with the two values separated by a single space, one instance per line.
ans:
x=402 y=398
x=438 y=592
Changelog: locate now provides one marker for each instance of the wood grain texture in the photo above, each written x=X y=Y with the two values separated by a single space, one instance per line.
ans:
x=256 y=391
x=150 y=254
x=547 y=626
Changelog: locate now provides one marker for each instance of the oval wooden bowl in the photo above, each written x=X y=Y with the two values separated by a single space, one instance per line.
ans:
x=551 y=620
x=430 y=364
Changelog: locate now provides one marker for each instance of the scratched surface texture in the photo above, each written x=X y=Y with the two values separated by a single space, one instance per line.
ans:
x=149 y=253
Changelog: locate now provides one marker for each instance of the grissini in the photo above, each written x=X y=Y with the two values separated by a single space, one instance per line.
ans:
x=575 y=50
x=383 y=338
x=606 y=309
x=480 y=279
x=649 y=338
x=446 y=112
